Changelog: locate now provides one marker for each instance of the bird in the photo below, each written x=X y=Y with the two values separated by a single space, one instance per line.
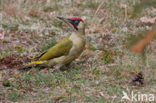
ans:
x=67 y=49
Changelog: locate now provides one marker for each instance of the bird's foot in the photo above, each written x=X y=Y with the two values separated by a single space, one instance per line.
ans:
x=57 y=67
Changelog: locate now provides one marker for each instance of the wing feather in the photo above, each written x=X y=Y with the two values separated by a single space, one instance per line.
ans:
x=61 y=48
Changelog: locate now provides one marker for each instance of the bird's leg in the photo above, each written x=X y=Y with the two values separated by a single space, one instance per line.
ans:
x=57 y=67
x=65 y=67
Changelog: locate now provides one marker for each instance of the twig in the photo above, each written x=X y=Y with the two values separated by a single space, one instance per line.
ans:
x=125 y=14
x=99 y=7
x=102 y=20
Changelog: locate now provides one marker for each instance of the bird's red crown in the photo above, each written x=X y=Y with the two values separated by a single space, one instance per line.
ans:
x=75 y=18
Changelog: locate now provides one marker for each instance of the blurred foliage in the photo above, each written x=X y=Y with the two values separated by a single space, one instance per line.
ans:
x=133 y=39
x=107 y=57
x=142 y=37
x=19 y=49
x=137 y=43
x=142 y=5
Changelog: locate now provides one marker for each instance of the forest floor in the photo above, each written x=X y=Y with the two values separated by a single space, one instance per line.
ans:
x=102 y=74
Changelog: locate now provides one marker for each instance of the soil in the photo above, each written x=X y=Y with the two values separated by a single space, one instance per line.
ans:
x=13 y=61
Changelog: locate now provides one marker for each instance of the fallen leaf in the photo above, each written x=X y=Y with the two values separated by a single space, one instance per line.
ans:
x=34 y=13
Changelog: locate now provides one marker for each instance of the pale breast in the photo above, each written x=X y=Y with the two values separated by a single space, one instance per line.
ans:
x=78 y=43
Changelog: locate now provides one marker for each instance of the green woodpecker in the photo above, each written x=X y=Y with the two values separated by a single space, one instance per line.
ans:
x=68 y=49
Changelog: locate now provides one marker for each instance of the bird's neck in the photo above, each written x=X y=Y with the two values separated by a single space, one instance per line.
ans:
x=78 y=35
x=81 y=31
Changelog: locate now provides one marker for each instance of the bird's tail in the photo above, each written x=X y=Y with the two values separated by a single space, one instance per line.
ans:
x=32 y=63
x=28 y=66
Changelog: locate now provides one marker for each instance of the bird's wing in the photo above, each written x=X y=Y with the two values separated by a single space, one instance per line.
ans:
x=61 y=48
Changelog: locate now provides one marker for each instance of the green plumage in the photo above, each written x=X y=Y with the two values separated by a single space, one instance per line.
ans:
x=65 y=51
x=61 y=48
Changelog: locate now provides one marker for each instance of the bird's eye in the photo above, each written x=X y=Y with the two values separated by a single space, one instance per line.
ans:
x=76 y=22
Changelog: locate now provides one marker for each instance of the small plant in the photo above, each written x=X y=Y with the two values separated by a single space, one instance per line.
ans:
x=19 y=49
x=107 y=57
x=91 y=47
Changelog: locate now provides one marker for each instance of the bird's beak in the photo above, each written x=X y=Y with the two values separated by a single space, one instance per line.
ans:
x=68 y=21
x=65 y=20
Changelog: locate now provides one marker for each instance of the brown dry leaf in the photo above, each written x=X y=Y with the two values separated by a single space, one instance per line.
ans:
x=11 y=62
x=13 y=10
x=96 y=29
x=148 y=20
x=10 y=10
x=139 y=47
x=34 y=13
